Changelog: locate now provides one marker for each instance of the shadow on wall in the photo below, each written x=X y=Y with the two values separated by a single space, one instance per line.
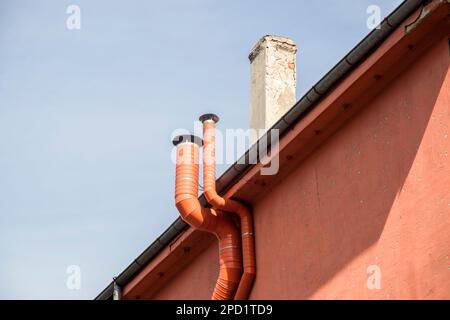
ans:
x=335 y=205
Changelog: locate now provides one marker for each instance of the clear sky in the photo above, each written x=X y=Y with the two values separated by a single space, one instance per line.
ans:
x=86 y=118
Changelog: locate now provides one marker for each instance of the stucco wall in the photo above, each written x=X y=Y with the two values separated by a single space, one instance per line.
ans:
x=377 y=193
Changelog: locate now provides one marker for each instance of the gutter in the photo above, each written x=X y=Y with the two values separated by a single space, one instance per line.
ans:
x=364 y=48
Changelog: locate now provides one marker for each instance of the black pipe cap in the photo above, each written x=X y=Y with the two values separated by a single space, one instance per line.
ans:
x=187 y=138
x=209 y=116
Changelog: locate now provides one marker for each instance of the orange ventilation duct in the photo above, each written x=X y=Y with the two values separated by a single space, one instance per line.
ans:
x=209 y=188
x=210 y=220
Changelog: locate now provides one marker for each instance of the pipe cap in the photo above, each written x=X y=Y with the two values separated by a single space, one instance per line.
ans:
x=187 y=138
x=209 y=116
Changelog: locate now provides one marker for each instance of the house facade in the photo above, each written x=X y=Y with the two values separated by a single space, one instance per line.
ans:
x=360 y=206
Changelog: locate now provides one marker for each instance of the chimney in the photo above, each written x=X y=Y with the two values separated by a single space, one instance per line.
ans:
x=273 y=82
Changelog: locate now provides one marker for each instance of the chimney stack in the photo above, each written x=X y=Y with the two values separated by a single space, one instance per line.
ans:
x=273 y=82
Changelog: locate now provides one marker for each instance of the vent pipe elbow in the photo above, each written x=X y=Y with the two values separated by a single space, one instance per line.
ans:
x=228 y=205
x=205 y=219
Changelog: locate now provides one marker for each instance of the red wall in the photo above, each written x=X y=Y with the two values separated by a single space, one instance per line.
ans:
x=377 y=193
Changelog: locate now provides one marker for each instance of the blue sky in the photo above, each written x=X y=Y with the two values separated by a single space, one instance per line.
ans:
x=86 y=118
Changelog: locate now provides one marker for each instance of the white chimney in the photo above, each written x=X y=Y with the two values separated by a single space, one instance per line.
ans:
x=273 y=81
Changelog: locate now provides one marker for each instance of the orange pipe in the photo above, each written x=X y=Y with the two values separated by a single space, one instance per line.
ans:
x=210 y=220
x=226 y=204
